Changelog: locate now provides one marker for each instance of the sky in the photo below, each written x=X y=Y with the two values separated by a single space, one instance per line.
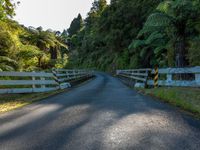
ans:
x=51 y=14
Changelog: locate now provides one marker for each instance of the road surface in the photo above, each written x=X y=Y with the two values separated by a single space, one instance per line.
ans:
x=103 y=114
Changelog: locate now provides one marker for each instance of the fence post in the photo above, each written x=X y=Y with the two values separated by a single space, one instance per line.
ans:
x=42 y=79
x=146 y=79
x=55 y=77
x=156 y=77
x=169 y=78
x=118 y=72
x=33 y=85
x=74 y=74
x=197 y=78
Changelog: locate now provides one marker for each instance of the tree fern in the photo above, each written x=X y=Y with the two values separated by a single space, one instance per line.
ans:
x=159 y=19
x=7 y=64
x=153 y=37
x=136 y=43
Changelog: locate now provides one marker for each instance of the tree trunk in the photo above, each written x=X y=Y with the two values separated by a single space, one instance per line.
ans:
x=39 y=62
x=54 y=54
x=180 y=53
x=181 y=61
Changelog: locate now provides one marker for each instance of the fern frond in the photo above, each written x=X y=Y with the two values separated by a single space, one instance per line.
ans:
x=159 y=50
x=154 y=36
x=5 y=62
x=149 y=29
x=136 y=43
x=4 y=67
x=159 y=20
x=165 y=7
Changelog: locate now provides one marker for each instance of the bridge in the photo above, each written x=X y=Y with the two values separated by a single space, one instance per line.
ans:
x=100 y=114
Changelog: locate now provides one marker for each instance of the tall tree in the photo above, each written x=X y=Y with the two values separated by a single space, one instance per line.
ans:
x=178 y=17
x=75 y=26
x=45 y=41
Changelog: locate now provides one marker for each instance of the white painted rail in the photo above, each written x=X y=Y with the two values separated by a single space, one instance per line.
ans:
x=33 y=82
x=63 y=75
x=170 y=79
x=139 y=75
x=166 y=76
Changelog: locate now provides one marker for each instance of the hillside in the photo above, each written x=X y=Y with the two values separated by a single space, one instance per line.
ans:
x=136 y=34
x=123 y=34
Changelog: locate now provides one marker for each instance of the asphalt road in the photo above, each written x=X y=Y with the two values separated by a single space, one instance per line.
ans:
x=103 y=114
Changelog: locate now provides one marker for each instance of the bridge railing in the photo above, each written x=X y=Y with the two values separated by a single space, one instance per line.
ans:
x=167 y=76
x=139 y=75
x=33 y=82
x=183 y=77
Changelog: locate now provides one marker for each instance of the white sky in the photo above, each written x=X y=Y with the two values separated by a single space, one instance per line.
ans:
x=54 y=14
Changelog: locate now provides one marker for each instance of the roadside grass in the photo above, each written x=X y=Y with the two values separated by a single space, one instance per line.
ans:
x=12 y=101
x=187 y=99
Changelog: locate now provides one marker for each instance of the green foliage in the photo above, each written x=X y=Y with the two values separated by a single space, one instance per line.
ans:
x=138 y=34
x=7 y=64
x=29 y=51
x=124 y=34
x=6 y=8
x=75 y=26
x=31 y=48
x=194 y=52
x=107 y=33
x=176 y=18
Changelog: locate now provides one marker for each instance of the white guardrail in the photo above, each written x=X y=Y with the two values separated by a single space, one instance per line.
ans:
x=166 y=76
x=33 y=82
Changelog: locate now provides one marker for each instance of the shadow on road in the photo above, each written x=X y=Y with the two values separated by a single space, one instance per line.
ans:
x=103 y=114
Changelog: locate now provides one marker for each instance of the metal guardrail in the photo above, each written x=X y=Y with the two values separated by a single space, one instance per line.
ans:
x=33 y=82
x=168 y=80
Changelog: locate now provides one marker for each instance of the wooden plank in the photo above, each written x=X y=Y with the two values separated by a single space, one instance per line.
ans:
x=175 y=83
x=130 y=70
x=70 y=78
x=133 y=77
x=63 y=79
x=27 y=90
x=61 y=75
x=27 y=82
x=69 y=74
x=26 y=74
x=70 y=70
x=178 y=70
x=137 y=74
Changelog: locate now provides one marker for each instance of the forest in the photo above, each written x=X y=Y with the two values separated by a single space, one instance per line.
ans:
x=28 y=48
x=124 y=34
x=136 y=34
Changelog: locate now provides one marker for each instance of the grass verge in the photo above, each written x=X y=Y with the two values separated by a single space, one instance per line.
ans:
x=187 y=99
x=10 y=102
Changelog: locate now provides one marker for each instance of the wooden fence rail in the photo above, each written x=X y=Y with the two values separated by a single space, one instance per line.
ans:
x=167 y=76
x=33 y=82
